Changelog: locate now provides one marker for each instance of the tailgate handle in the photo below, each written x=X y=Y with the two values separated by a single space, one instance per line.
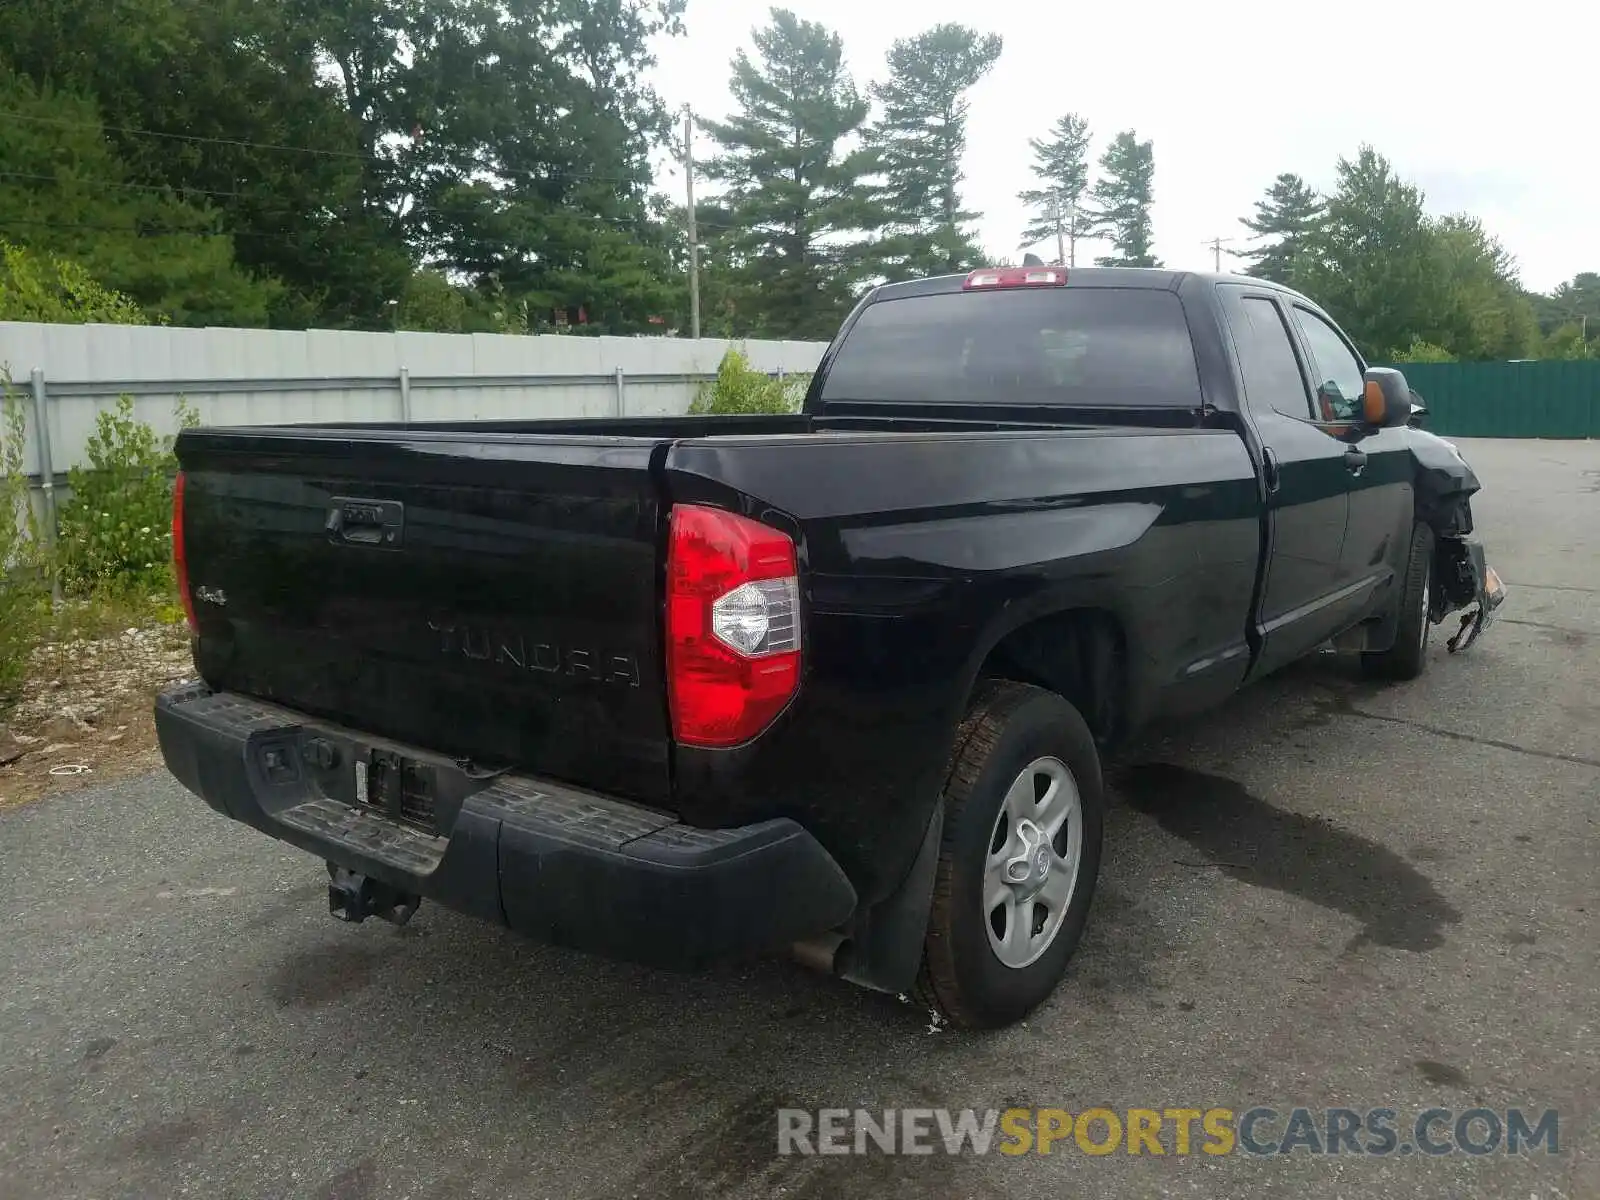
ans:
x=359 y=522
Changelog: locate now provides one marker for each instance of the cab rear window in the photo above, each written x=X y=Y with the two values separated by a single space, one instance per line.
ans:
x=1083 y=347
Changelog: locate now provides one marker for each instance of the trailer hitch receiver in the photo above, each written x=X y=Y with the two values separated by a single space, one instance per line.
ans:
x=354 y=898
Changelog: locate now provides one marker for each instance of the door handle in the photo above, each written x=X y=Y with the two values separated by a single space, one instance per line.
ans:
x=1355 y=461
x=1270 y=474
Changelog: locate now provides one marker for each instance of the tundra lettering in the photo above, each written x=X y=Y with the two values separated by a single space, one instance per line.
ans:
x=481 y=644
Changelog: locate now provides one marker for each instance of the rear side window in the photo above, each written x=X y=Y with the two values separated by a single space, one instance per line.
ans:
x=1083 y=347
x=1271 y=373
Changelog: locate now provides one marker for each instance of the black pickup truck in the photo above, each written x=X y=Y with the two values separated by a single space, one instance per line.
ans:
x=835 y=683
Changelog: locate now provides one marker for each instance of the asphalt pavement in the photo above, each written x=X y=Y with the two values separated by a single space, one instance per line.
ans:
x=1328 y=893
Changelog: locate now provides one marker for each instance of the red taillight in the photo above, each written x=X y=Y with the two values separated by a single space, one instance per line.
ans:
x=733 y=625
x=994 y=278
x=180 y=560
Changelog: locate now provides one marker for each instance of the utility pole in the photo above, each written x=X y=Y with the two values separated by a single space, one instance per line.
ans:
x=1216 y=245
x=694 y=234
x=1061 y=235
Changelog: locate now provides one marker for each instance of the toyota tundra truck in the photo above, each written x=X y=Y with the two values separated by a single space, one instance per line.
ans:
x=836 y=683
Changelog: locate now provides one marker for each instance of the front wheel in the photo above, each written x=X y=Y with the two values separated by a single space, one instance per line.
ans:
x=1408 y=657
x=1024 y=821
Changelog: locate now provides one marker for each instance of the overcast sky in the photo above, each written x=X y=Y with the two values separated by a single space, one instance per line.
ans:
x=1493 y=111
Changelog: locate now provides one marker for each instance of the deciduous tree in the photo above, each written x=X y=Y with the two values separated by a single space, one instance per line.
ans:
x=65 y=193
x=1392 y=275
x=1574 y=304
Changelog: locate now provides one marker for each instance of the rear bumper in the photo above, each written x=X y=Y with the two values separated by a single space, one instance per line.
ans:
x=552 y=862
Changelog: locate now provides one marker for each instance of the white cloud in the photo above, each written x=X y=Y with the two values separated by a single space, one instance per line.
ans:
x=1491 y=111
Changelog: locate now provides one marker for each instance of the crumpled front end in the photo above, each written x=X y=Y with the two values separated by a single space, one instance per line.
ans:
x=1468 y=582
x=1463 y=579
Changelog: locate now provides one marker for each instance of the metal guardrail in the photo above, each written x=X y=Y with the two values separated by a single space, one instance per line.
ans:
x=44 y=476
x=361 y=383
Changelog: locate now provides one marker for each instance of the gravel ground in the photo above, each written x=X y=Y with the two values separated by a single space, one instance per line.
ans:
x=1325 y=894
x=86 y=713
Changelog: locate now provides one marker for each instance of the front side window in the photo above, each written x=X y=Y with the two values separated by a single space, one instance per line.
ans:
x=1335 y=370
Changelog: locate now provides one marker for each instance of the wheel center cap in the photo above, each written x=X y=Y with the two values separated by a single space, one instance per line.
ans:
x=1030 y=867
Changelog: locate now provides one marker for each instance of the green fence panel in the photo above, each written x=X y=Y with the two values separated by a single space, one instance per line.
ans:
x=1544 y=399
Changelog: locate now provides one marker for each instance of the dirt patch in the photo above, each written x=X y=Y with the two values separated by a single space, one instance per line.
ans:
x=85 y=716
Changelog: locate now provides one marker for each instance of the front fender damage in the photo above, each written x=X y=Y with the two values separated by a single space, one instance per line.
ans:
x=1463 y=580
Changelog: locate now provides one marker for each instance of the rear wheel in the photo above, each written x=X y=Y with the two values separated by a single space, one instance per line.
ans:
x=1408 y=657
x=1024 y=819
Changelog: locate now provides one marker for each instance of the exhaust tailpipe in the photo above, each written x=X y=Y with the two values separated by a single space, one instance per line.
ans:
x=820 y=953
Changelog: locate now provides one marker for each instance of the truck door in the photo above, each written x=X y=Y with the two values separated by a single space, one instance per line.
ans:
x=1304 y=600
x=1378 y=534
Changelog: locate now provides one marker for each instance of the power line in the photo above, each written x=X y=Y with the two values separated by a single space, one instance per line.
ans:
x=180 y=137
x=175 y=189
x=100 y=227
x=509 y=173
x=512 y=176
x=284 y=236
x=137 y=187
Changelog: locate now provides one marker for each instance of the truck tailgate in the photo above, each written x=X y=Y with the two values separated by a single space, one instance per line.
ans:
x=493 y=597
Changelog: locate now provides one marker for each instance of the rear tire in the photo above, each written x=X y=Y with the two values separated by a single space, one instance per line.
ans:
x=1021 y=753
x=1408 y=657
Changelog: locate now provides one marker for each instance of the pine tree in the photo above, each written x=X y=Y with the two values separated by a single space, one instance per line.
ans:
x=918 y=145
x=1062 y=167
x=794 y=195
x=1291 y=216
x=1121 y=199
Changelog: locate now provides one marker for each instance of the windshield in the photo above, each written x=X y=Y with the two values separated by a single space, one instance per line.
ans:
x=1085 y=347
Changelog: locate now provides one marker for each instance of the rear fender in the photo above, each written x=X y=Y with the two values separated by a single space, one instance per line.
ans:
x=1093 y=674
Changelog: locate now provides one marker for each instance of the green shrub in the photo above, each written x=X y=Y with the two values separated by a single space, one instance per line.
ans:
x=34 y=286
x=115 y=533
x=1424 y=352
x=24 y=599
x=1568 y=343
x=40 y=287
x=431 y=303
x=24 y=612
x=740 y=388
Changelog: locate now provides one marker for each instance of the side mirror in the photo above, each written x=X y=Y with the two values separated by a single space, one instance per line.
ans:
x=1419 y=409
x=1385 y=398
